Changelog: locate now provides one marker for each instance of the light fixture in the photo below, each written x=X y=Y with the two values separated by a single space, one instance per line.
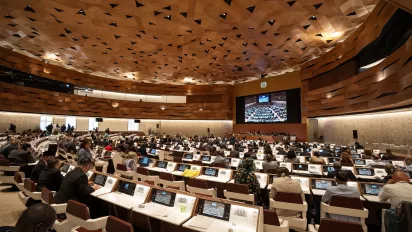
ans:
x=162 y=108
x=200 y=109
x=50 y=56
x=336 y=34
x=115 y=104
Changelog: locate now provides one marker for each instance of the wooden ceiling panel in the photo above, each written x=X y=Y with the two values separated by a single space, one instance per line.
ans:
x=178 y=41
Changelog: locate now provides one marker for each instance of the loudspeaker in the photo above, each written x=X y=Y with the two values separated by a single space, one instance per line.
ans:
x=355 y=134
x=99 y=119
x=208 y=130
x=157 y=125
x=136 y=121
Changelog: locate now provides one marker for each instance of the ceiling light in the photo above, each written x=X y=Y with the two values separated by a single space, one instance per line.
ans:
x=50 y=56
x=162 y=108
x=200 y=109
x=115 y=104
x=336 y=34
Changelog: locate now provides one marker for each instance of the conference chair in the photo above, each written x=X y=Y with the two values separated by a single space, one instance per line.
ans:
x=238 y=192
x=121 y=169
x=7 y=172
x=47 y=197
x=271 y=222
x=294 y=202
x=115 y=224
x=143 y=175
x=18 y=182
x=78 y=214
x=167 y=180
x=327 y=225
x=197 y=162
x=177 y=159
x=218 y=165
x=345 y=206
x=30 y=189
x=199 y=187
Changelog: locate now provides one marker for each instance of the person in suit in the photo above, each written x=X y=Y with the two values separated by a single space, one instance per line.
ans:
x=51 y=177
x=220 y=159
x=41 y=165
x=337 y=166
x=12 y=145
x=142 y=149
x=21 y=156
x=342 y=189
x=291 y=157
x=75 y=184
x=376 y=161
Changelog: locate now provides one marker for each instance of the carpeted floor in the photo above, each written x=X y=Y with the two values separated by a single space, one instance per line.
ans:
x=10 y=206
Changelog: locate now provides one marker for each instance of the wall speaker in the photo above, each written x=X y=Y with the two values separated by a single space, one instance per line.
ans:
x=99 y=119
x=136 y=121
x=157 y=125
x=208 y=130
x=355 y=134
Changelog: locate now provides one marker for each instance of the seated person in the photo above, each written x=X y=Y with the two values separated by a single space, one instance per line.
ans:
x=342 y=189
x=389 y=156
x=376 y=161
x=41 y=165
x=396 y=190
x=285 y=184
x=142 y=150
x=6 y=149
x=389 y=169
x=221 y=160
x=408 y=164
x=269 y=163
x=338 y=167
x=21 y=156
x=75 y=184
x=291 y=157
x=346 y=159
x=316 y=158
x=51 y=177
x=85 y=150
x=245 y=175
x=367 y=155
x=36 y=218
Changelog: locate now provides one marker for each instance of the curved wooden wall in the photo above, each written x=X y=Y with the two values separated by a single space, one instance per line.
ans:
x=17 y=98
x=26 y=64
x=386 y=85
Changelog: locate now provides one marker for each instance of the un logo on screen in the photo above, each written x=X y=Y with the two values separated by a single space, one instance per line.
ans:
x=263 y=84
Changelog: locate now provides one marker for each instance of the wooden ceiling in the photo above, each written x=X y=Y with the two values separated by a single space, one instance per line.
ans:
x=179 y=41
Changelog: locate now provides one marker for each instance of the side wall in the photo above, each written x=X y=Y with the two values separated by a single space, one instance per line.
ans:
x=25 y=121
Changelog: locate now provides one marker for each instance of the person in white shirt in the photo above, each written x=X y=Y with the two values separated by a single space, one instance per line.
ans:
x=397 y=189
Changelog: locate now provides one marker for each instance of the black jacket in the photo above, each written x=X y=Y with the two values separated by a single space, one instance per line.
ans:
x=35 y=173
x=142 y=151
x=7 y=149
x=20 y=157
x=75 y=186
x=51 y=178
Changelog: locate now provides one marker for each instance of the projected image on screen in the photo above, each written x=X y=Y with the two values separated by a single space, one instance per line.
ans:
x=266 y=108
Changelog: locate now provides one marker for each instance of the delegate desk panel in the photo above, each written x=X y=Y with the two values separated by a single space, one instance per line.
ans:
x=128 y=194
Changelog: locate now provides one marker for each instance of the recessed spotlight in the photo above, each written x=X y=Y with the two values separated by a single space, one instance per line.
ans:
x=250 y=27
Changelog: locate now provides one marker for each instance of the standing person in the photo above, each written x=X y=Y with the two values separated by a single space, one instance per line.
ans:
x=12 y=128
x=41 y=165
x=63 y=128
x=75 y=184
x=341 y=189
x=85 y=150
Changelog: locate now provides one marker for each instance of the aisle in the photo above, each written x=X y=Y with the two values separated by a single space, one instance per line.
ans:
x=10 y=206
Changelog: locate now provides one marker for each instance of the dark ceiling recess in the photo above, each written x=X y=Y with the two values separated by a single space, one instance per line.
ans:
x=394 y=34
x=20 y=78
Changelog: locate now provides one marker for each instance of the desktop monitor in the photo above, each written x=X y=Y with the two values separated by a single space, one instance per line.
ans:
x=214 y=209
x=328 y=169
x=161 y=164
x=99 y=151
x=163 y=197
x=100 y=179
x=206 y=158
x=356 y=156
x=107 y=154
x=188 y=156
x=300 y=167
x=360 y=162
x=65 y=168
x=210 y=172
x=323 y=184
x=365 y=172
x=126 y=187
x=153 y=151
x=183 y=167
x=144 y=161
x=373 y=189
